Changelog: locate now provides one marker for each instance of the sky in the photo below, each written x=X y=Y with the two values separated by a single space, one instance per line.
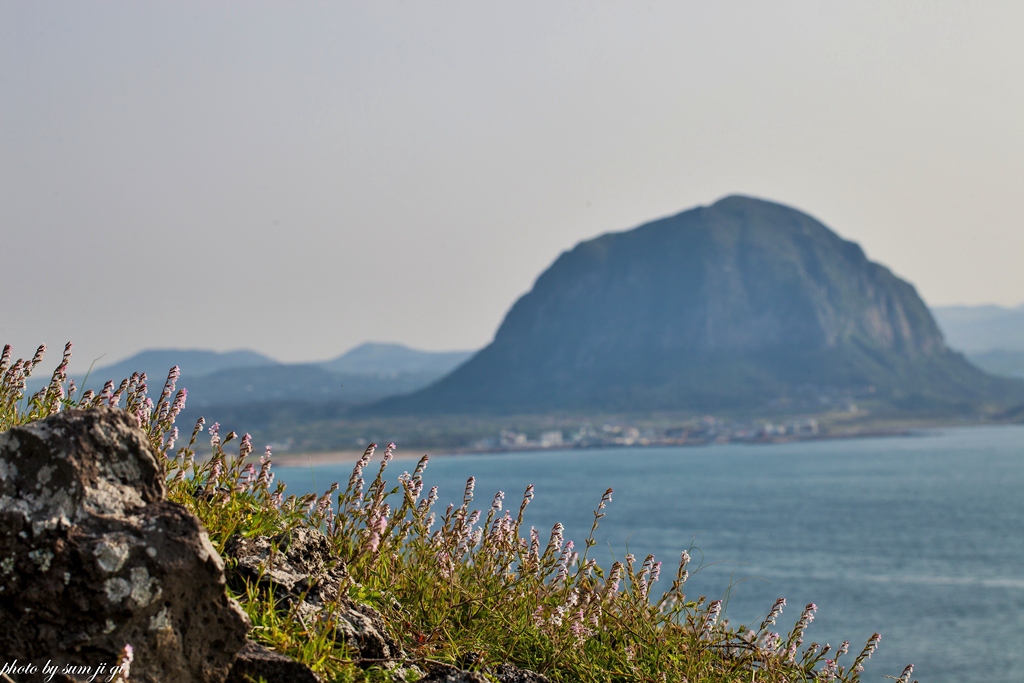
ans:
x=298 y=178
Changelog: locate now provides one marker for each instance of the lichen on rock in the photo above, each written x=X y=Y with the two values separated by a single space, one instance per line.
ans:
x=93 y=558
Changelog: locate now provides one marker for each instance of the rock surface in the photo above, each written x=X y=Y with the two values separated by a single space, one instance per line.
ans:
x=92 y=557
x=510 y=673
x=254 y=662
x=298 y=568
x=442 y=673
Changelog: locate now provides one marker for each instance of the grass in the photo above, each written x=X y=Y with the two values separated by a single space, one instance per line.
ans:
x=465 y=584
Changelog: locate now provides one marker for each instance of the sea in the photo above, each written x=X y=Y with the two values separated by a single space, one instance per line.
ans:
x=919 y=537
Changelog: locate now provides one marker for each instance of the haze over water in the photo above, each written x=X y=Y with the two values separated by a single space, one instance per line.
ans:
x=918 y=537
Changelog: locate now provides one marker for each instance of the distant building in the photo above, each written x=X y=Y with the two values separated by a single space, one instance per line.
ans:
x=552 y=439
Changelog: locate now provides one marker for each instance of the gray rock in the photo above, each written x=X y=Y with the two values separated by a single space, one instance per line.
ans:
x=92 y=557
x=443 y=673
x=294 y=565
x=363 y=630
x=299 y=568
x=255 y=662
x=510 y=673
x=403 y=673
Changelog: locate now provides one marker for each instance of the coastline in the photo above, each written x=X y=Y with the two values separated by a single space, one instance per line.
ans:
x=289 y=459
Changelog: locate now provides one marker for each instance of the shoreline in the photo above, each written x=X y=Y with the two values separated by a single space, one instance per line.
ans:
x=351 y=456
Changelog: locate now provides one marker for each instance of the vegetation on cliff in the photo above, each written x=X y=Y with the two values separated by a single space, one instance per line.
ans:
x=468 y=587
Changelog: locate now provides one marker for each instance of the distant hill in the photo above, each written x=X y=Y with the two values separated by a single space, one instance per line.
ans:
x=992 y=337
x=156 y=363
x=304 y=382
x=745 y=304
x=368 y=372
x=392 y=359
x=999 y=362
x=977 y=329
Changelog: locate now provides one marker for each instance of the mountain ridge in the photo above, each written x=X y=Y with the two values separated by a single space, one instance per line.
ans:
x=739 y=305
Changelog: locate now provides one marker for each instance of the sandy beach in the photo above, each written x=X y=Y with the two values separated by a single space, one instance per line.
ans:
x=334 y=457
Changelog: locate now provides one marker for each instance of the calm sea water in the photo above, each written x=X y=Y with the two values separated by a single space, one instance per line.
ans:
x=920 y=538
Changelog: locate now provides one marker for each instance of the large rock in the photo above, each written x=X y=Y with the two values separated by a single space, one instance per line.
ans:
x=92 y=557
x=254 y=662
x=300 y=570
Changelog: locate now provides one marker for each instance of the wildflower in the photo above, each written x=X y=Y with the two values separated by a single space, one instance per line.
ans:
x=614 y=577
x=869 y=649
x=555 y=542
x=773 y=613
x=807 y=617
x=714 y=609
x=905 y=676
x=171 y=438
x=829 y=672
x=57 y=398
x=179 y=403
x=125 y=661
x=578 y=628
x=420 y=466
x=498 y=498
x=249 y=474
x=214 y=432
x=377 y=525
x=563 y=562
x=265 y=477
x=771 y=642
x=115 y=398
x=245 y=448
x=38 y=358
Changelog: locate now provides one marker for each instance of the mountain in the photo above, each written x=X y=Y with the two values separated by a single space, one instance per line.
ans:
x=391 y=359
x=992 y=337
x=238 y=379
x=302 y=382
x=156 y=363
x=999 y=362
x=977 y=329
x=744 y=304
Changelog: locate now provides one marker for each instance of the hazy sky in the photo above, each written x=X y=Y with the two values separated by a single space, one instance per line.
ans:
x=299 y=178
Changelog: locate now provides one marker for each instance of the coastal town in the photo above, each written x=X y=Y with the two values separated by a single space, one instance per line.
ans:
x=705 y=431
